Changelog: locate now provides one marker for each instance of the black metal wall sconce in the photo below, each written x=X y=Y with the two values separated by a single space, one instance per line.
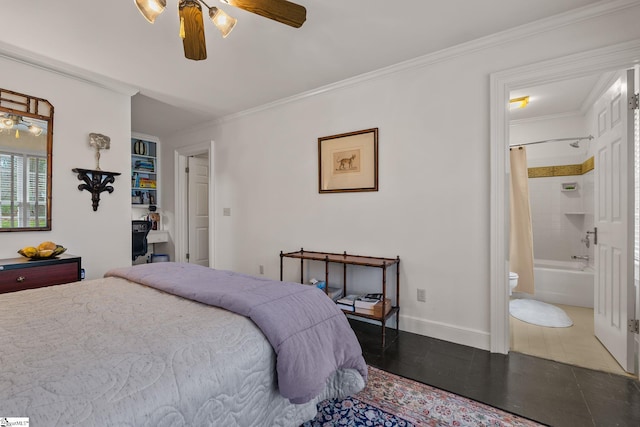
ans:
x=96 y=181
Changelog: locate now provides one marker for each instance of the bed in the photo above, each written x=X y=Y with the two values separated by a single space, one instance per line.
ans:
x=117 y=352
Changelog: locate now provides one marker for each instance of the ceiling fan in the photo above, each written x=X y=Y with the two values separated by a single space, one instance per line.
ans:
x=192 y=25
x=13 y=121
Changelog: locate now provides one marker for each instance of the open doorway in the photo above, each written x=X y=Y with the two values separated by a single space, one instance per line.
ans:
x=502 y=85
x=194 y=194
x=556 y=319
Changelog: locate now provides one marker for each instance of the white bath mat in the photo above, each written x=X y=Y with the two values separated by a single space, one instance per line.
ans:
x=539 y=313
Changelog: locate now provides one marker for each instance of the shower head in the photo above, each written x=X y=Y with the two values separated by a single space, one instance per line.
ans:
x=575 y=144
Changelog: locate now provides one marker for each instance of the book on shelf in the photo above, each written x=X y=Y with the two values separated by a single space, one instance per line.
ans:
x=147 y=183
x=144 y=165
x=349 y=300
x=368 y=300
x=346 y=307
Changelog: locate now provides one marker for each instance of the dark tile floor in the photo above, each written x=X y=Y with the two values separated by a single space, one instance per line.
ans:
x=549 y=392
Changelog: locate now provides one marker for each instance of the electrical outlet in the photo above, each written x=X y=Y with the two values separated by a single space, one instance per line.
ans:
x=261 y=268
x=422 y=297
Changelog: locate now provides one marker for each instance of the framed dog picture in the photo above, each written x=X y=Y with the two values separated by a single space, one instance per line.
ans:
x=348 y=162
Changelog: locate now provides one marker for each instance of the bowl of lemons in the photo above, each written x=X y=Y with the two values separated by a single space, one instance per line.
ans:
x=43 y=251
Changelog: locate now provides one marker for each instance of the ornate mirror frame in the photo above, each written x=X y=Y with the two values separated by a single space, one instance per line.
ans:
x=29 y=107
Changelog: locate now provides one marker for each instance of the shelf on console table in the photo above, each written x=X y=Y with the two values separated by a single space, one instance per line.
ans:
x=350 y=259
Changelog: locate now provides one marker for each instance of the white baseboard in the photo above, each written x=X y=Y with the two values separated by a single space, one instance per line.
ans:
x=446 y=332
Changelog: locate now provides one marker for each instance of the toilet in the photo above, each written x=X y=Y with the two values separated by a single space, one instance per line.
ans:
x=513 y=281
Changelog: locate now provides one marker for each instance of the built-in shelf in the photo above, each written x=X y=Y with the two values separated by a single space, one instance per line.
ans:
x=144 y=171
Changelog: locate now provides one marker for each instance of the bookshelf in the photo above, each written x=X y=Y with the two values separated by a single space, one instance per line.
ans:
x=144 y=171
x=389 y=307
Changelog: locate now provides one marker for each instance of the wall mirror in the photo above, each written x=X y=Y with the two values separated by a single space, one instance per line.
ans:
x=26 y=139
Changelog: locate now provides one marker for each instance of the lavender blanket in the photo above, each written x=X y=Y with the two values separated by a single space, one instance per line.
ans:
x=309 y=333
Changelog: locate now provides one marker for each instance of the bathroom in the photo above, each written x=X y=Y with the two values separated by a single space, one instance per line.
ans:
x=559 y=162
x=561 y=197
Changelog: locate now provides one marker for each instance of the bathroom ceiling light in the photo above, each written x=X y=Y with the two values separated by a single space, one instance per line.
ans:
x=520 y=102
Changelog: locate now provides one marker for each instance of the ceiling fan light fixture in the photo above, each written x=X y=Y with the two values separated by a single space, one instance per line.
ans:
x=222 y=20
x=35 y=130
x=150 y=9
x=192 y=25
x=7 y=122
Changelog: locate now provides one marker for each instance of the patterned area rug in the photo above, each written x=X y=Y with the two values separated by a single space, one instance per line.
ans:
x=389 y=400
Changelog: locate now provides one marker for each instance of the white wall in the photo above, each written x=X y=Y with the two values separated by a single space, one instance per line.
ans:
x=102 y=238
x=432 y=208
x=558 y=153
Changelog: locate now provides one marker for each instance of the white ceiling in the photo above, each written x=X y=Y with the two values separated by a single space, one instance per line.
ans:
x=554 y=99
x=262 y=60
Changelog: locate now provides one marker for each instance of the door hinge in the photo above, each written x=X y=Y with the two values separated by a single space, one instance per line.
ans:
x=634 y=102
x=634 y=326
x=186 y=170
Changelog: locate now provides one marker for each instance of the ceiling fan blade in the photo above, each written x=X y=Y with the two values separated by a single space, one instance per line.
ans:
x=282 y=11
x=191 y=21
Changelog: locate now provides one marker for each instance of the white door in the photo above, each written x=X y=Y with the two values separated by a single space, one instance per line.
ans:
x=614 y=289
x=198 y=202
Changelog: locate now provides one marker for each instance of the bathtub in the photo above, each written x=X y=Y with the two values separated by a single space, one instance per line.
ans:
x=562 y=282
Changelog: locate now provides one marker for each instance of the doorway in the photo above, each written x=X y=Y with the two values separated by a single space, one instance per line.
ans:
x=555 y=129
x=194 y=201
x=603 y=60
x=198 y=209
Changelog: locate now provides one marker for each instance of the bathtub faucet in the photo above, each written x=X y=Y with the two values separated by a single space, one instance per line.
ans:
x=584 y=257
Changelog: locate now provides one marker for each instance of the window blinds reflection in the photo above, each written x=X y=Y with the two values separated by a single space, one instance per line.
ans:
x=23 y=190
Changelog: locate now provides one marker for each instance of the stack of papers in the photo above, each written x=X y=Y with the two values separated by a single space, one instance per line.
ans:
x=352 y=302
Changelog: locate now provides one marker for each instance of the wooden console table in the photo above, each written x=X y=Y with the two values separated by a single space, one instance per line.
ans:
x=349 y=259
x=17 y=274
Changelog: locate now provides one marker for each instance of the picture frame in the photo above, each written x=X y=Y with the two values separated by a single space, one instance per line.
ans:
x=348 y=162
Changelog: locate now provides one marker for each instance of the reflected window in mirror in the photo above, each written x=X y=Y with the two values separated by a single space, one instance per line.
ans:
x=26 y=137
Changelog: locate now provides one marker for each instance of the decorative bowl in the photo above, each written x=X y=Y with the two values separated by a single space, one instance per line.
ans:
x=57 y=251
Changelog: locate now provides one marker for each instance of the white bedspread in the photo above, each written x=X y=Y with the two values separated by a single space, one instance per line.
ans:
x=109 y=352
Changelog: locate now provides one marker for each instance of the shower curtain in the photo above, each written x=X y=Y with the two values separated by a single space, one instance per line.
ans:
x=521 y=242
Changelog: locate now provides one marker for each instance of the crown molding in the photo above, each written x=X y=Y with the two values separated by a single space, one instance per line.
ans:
x=527 y=30
x=49 y=64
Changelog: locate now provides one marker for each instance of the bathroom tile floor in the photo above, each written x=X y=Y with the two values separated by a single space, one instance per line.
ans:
x=576 y=345
x=553 y=393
